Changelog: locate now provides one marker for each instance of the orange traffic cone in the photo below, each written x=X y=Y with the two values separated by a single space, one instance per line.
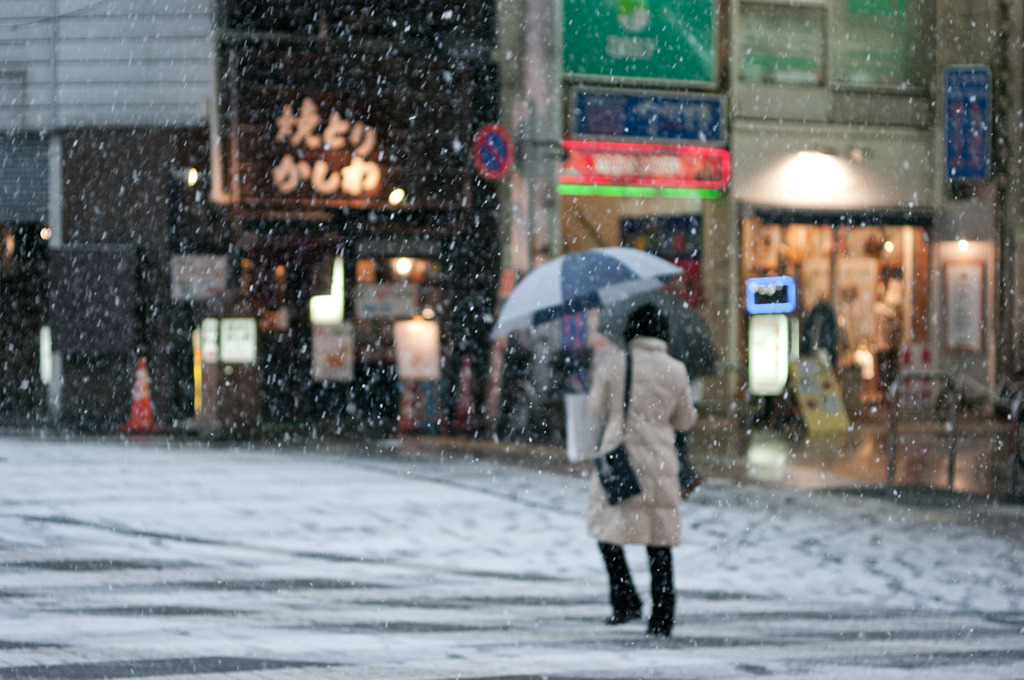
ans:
x=462 y=419
x=140 y=421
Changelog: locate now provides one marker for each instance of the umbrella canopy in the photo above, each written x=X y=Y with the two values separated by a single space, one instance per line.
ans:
x=578 y=281
x=689 y=338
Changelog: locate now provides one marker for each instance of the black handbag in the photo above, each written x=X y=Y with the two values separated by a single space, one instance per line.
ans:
x=613 y=468
x=689 y=479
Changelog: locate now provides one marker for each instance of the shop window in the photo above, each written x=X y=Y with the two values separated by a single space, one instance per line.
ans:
x=782 y=44
x=872 y=278
x=677 y=238
x=389 y=290
x=882 y=43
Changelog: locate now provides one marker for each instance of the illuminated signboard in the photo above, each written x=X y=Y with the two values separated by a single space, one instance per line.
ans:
x=768 y=354
x=313 y=130
x=238 y=341
x=771 y=295
x=641 y=40
x=637 y=116
x=333 y=154
x=643 y=166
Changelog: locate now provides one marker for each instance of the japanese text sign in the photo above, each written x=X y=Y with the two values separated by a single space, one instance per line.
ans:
x=968 y=91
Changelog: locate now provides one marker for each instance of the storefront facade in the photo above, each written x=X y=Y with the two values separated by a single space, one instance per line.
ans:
x=355 y=208
x=646 y=148
x=838 y=173
x=93 y=137
x=847 y=176
x=856 y=235
x=860 y=141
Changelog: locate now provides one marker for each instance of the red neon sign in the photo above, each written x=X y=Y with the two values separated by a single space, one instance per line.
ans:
x=647 y=165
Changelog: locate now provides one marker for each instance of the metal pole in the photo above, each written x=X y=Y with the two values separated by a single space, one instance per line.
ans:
x=951 y=422
x=954 y=439
x=1015 y=412
x=894 y=392
x=55 y=219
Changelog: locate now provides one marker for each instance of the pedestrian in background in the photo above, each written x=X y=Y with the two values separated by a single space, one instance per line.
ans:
x=660 y=404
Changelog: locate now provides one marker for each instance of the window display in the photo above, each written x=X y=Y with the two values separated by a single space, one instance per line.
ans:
x=871 y=279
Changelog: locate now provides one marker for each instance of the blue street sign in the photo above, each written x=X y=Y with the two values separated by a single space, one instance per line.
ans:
x=698 y=119
x=968 y=92
x=492 y=151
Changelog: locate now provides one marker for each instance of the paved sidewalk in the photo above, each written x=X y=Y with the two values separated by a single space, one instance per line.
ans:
x=723 y=448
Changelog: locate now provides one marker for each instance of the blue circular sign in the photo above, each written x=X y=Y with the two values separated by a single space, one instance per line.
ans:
x=492 y=151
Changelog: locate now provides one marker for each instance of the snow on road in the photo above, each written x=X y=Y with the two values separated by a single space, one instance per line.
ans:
x=309 y=545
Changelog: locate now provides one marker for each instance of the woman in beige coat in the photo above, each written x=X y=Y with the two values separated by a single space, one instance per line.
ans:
x=660 y=403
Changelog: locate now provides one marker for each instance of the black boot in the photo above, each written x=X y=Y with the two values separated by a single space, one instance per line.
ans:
x=625 y=602
x=663 y=592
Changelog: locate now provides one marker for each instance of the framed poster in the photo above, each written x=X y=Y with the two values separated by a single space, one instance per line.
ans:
x=238 y=341
x=858 y=279
x=198 y=277
x=334 y=352
x=965 y=306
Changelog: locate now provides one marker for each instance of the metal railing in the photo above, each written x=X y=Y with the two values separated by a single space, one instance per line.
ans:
x=1016 y=461
x=741 y=407
x=951 y=388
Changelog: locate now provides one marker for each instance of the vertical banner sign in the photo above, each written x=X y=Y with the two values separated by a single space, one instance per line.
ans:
x=968 y=91
x=641 y=40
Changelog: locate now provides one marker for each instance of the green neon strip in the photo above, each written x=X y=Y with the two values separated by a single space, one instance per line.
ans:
x=635 y=192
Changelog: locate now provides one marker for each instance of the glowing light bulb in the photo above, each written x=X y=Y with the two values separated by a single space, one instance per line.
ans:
x=403 y=266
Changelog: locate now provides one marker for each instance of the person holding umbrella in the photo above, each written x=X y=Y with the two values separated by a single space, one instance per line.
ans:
x=660 y=404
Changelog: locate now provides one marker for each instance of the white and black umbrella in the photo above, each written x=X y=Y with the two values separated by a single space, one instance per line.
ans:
x=579 y=281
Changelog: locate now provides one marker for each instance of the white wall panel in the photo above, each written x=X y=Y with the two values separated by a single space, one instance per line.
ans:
x=113 y=62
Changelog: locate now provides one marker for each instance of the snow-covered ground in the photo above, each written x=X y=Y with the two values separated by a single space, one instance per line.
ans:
x=360 y=561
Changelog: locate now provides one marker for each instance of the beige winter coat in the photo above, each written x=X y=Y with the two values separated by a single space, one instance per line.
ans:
x=660 y=403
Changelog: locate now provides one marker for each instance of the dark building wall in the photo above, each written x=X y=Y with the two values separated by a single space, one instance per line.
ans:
x=22 y=313
x=23 y=257
x=121 y=188
x=437 y=19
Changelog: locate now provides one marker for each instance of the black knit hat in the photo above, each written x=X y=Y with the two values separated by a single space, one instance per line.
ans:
x=649 y=321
